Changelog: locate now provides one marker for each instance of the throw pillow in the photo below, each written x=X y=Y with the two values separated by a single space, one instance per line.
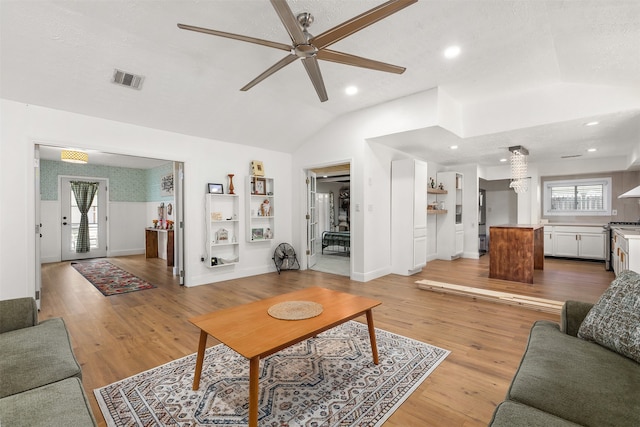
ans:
x=614 y=321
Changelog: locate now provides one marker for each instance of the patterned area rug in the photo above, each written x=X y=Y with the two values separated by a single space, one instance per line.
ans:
x=329 y=380
x=109 y=279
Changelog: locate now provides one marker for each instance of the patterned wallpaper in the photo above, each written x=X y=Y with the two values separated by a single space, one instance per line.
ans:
x=125 y=184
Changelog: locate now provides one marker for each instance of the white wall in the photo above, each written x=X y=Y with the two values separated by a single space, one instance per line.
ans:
x=127 y=221
x=346 y=140
x=205 y=160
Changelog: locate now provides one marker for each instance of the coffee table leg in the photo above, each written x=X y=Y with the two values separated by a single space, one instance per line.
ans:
x=199 y=359
x=254 y=374
x=372 y=336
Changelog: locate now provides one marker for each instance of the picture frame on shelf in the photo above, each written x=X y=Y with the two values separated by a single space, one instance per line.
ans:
x=257 y=234
x=222 y=236
x=215 y=188
x=260 y=186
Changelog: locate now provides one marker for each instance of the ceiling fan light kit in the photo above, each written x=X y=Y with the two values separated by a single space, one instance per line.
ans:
x=311 y=48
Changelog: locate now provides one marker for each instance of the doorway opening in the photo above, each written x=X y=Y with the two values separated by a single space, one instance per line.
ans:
x=329 y=230
x=129 y=190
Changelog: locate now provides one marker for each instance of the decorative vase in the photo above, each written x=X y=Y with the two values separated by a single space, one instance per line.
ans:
x=231 y=184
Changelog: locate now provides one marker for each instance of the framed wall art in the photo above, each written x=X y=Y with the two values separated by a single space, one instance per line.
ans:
x=166 y=185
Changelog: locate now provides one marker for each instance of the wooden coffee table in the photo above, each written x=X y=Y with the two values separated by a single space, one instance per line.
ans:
x=251 y=331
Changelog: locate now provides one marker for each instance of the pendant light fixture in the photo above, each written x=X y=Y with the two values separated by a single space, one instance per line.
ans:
x=519 y=177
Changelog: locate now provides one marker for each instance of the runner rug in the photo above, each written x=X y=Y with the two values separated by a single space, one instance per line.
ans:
x=109 y=279
x=329 y=380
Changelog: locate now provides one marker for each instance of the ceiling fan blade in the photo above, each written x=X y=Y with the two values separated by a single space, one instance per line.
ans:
x=248 y=39
x=289 y=21
x=313 y=69
x=275 y=67
x=353 y=25
x=357 y=61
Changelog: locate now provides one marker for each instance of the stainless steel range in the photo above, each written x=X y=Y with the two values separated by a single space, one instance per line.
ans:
x=609 y=240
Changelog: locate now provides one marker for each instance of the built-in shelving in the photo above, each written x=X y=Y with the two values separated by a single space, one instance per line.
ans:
x=260 y=209
x=223 y=227
x=435 y=200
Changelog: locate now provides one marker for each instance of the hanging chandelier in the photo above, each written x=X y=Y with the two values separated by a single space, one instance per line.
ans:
x=73 y=156
x=519 y=181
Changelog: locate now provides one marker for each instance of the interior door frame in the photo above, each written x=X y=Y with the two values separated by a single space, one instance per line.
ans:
x=309 y=168
x=179 y=207
x=312 y=219
x=178 y=185
x=38 y=225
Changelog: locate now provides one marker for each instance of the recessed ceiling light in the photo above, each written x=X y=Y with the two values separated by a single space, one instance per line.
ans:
x=452 y=52
x=591 y=123
x=325 y=176
x=454 y=147
x=503 y=160
x=591 y=150
x=351 y=90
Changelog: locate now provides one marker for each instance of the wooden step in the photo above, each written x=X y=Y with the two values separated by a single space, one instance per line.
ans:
x=533 y=303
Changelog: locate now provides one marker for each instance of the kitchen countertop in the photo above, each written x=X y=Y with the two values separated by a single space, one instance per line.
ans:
x=575 y=224
x=628 y=233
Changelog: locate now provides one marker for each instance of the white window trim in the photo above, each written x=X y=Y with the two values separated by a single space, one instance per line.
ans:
x=606 y=182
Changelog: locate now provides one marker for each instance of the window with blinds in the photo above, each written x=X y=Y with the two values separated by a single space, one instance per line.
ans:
x=578 y=197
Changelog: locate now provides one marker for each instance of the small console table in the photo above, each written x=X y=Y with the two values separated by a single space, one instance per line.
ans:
x=154 y=236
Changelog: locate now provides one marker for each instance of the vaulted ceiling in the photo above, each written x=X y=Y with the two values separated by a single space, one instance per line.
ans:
x=61 y=54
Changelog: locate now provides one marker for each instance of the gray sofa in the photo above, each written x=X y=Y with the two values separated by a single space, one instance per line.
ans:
x=40 y=378
x=564 y=380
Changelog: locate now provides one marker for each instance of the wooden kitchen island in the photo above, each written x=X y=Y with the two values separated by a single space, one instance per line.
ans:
x=515 y=250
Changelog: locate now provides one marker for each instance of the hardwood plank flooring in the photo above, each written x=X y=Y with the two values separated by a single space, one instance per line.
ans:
x=118 y=336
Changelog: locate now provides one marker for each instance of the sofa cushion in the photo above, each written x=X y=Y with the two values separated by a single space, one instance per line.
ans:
x=514 y=414
x=614 y=321
x=18 y=313
x=62 y=403
x=35 y=356
x=577 y=380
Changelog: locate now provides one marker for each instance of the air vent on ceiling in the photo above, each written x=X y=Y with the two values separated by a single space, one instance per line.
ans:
x=571 y=156
x=127 y=79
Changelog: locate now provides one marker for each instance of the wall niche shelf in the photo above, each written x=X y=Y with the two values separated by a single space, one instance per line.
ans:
x=260 y=208
x=223 y=227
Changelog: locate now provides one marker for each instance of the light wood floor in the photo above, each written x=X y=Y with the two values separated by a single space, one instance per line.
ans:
x=119 y=336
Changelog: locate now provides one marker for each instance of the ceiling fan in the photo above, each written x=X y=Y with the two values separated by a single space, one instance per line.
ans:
x=311 y=48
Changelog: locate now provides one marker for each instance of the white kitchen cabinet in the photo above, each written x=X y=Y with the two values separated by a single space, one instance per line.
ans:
x=548 y=240
x=575 y=241
x=625 y=250
x=450 y=230
x=408 y=216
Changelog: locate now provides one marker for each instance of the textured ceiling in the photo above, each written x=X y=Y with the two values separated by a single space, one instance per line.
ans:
x=61 y=54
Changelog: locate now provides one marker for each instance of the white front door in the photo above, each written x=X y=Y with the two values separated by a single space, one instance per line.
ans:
x=312 y=220
x=70 y=224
